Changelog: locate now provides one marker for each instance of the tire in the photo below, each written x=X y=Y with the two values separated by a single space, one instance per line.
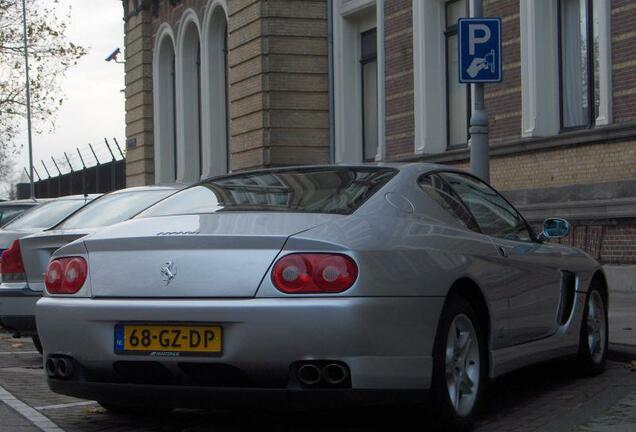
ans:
x=592 y=357
x=467 y=365
x=37 y=343
x=134 y=411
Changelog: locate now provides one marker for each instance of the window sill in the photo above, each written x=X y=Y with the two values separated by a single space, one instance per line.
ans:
x=570 y=138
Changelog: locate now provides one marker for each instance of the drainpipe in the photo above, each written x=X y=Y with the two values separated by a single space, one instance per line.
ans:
x=381 y=154
x=332 y=121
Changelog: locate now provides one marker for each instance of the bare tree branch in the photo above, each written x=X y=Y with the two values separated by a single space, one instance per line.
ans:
x=51 y=54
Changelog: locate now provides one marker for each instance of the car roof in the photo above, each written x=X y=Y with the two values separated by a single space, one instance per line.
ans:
x=159 y=187
x=77 y=197
x=20 y=202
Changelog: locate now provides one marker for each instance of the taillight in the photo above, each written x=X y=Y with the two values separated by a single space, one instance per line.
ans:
x=12 y=265
x=65 y=275
x=307 y=273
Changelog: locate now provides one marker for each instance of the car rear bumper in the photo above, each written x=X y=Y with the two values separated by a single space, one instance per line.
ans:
x=17 y=309
x=205 y=397
x=386 y=343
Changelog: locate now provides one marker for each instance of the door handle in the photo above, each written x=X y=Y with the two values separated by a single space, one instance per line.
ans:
x=502 y=251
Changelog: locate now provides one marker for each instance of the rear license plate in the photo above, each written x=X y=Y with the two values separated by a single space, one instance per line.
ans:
x=174 y=339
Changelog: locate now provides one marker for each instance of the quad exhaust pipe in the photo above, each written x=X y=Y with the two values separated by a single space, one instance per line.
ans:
x=333 y=374
x=59 y=367
x=309 y=374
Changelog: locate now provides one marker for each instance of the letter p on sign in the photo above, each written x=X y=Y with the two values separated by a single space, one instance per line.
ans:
x=474 y=39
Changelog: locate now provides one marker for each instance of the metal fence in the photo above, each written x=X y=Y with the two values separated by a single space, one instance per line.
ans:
x=91 y=169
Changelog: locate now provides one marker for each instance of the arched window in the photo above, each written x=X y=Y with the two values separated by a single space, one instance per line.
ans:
x=165 y=139
x=189 y=135
x=215 y=154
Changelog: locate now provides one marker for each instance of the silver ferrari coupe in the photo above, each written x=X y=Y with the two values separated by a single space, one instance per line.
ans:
x=319 y=284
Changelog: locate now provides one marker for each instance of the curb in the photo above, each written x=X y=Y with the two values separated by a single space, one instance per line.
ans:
x=621 y=353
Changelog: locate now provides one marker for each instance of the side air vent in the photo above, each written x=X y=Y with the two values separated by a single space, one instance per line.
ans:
x=568 y=290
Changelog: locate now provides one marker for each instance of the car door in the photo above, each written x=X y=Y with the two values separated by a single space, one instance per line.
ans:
x=470 y=243
x=530 y=270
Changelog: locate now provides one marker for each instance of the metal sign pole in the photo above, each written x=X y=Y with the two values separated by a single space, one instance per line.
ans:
x=28 y=96
x=479 y=148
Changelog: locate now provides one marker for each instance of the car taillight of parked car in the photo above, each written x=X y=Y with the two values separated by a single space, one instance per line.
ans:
x=314 y=273
x=12 y=267
x=65 y=275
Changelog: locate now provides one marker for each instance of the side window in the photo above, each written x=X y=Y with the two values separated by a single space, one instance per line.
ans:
x=442 y=194
x=492 y=212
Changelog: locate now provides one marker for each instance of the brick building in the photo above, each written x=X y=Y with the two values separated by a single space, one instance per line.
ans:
x=218 y=85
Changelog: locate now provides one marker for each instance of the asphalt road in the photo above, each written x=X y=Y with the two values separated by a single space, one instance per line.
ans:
x=551 y=397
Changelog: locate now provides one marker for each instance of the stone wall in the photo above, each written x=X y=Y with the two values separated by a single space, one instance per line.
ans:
x=278 y=82
x=279 y=90
x=139 y=123
x=399 y=84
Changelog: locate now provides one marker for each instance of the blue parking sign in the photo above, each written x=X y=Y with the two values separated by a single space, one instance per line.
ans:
x=479 y=50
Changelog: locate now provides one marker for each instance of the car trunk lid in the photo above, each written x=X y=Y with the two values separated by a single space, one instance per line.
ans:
x=210 y=255
x=37 y=250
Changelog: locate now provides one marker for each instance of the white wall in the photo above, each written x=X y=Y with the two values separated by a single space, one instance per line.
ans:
x=351 y=18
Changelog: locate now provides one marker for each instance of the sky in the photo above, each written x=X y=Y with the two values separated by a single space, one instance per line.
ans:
x=94 y=105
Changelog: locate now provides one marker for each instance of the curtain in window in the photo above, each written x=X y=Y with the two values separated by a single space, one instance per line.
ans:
x=369 y=66
x=370 y=83
x=457 y=97
x=574 y=63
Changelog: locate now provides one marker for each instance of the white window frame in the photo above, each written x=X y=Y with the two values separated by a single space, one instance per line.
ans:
x=603 y=14
x=351 y=18
x=429 y=58
x=540 y=70
x=163 y=110
x=467 y=88
x=214 y=128
x=187 y=119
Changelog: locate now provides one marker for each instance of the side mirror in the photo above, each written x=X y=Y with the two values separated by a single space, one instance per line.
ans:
x=554 y=228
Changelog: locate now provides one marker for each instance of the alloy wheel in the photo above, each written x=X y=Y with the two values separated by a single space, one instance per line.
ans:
x=596 y=327
x=462 y=365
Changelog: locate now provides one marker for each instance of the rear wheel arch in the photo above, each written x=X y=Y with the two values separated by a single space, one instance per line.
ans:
x=464 y=300
x=599 y=277
x=469 y=290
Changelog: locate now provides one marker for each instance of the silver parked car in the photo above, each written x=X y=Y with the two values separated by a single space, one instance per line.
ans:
x=17 y=304
x=46 y=215
x=322 y=284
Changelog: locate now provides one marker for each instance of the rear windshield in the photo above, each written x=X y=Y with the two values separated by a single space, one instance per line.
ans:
x=312 y=190
x=113 y=208
x=46 y=215
x=8 y=213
